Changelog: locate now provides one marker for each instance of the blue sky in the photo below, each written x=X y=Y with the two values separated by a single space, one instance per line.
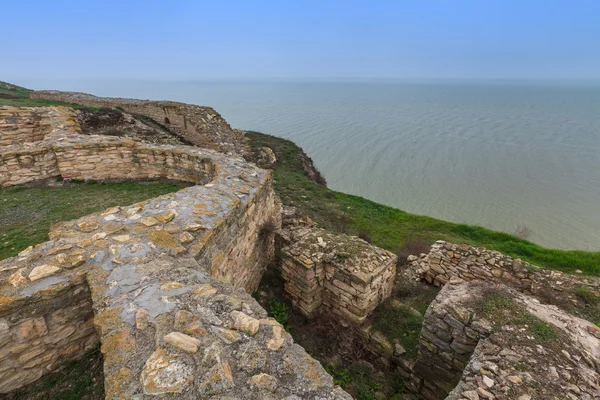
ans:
x=300 y=39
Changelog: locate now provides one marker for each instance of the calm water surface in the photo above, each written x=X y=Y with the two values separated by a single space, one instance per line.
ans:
x=490 y=154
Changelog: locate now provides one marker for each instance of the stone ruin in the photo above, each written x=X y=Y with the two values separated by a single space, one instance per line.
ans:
x=163 y=286
x=199 y=125
x=466 y=354
x=336 y=274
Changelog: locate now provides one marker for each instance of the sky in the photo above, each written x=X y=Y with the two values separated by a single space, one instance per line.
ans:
x=287 y=39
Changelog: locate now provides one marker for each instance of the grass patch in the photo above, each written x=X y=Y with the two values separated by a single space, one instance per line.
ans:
x=392 y=228
x=16 y=96
x=26 y=213
x=504 y=310
x=26 y=102
x=398 y=323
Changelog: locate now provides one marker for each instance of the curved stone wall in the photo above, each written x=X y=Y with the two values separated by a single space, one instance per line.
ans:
x=167 y=282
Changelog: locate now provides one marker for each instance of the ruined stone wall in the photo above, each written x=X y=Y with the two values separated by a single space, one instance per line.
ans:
x=37 y=336
x=198 y=125
x=335 y=273
x=162 y=278
x=24 y=155
x=19 y=126
x=483 y=341
x=447 y=260
x=19 y=166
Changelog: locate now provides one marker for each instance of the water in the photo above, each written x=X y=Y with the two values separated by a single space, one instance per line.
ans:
x=499 y=155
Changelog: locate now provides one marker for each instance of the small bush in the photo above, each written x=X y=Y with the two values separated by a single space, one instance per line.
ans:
x=364 y=235
x=267 y=230
x=522 y=232
x=413 y=246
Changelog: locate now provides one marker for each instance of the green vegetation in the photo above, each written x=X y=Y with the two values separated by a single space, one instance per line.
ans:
x=503 y=309
x=341 y=376
x=15 y=96
x=279 y=311
x=26 y=213
x=399 y=323
x=81 y=379
x=391 y=228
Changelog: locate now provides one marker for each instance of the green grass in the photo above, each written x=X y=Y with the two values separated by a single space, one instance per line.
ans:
x=279 y=311
x=26 y=213
x=43 y=103
x=16 y=96
x=392 y=228
x=502 y=310
x=398 y=323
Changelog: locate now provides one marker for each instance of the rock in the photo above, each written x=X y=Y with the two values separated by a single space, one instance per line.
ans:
x=264 y=381
x=122 y=238
x=17 y=278
x=471 y=395
x=164 y=374
x=399 y=350
x=514 y=379
x=277 y=339
x=149 y=221
x=217 y=380
x=244 y=323
x=141 y=319
x=207 y=316
x=488 y=382
x=194 y=227
x=204 y=290
x=226 y=335
x=186 y=237
x=43 y=271
x=88 y=226
x=266 y=158
x=162 y=238
x=183 y=341
x=524 y=397
x=33 y=328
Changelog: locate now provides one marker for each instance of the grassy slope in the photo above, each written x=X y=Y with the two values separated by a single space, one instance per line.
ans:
x=26 y=213
x=393 y=229
x=16 y=96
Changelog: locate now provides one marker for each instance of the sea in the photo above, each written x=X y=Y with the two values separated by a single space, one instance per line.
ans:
x=506 y=155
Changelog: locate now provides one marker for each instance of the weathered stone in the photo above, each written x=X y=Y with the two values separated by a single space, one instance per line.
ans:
x=43 y=271
x=33 y=328
x=217 y=380
x=277 y=340
x=164 y=374
x=265 y=382
x=183 y=341
x=245 y=323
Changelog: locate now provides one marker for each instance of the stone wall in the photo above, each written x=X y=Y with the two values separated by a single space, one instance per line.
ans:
x=24 y=126
x=335 y=273
x=198 y=125
x=484 y=341
x=24 y=154
x=446 y=260
x=36 y=337
x=166 y=279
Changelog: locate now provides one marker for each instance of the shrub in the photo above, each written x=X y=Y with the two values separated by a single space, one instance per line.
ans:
x=413 y=246
x=279 y=311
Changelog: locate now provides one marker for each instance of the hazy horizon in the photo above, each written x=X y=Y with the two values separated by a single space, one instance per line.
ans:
x=309 y=40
